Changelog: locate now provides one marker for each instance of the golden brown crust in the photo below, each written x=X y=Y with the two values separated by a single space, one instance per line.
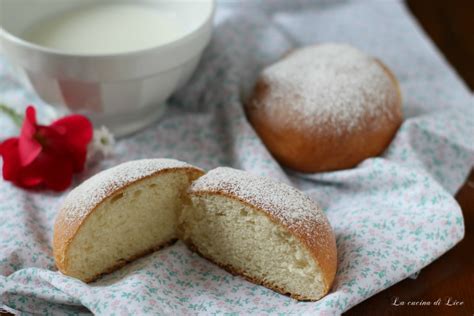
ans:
x=65 y=231
x=325 y=257
x=317 y=150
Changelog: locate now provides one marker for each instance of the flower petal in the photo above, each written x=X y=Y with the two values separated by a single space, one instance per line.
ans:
x=11 y=159
x=76 y=131
x=13 y=170
x=55 y=172
x=29 y=147
x=46 y=155
x=60 y=172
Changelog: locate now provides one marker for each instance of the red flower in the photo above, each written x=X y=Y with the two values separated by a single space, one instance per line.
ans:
x=46 y=155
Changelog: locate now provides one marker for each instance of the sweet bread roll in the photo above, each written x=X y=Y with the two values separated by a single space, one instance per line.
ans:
x=325 y=107
x=268 y=232
x=120 y=214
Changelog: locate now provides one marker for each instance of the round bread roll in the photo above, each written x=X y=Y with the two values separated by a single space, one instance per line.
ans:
x=325 y=107
x=265 y=231
x=120 y=214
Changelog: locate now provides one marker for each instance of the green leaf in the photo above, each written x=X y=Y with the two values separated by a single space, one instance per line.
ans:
x=16 y=117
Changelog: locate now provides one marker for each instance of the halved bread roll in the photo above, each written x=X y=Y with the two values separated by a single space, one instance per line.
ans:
x=268 y=232
x=120 y=214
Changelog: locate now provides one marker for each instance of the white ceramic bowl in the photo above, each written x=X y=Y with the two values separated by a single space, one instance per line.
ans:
x=123 y=91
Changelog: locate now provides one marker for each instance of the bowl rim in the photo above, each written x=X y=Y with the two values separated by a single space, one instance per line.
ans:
x=6 y=35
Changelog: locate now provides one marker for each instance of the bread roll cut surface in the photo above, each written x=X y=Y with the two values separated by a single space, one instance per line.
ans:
x=120 y=214
x=266 y=231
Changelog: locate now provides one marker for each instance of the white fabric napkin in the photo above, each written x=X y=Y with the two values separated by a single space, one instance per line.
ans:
x=392 y=215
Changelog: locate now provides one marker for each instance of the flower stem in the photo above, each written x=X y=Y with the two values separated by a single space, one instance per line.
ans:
x=14 y=115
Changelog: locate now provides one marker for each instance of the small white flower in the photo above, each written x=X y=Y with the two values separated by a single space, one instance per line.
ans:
x=102 y=144
x=104 y=141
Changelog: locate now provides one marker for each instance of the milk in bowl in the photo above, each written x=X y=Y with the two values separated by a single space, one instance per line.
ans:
x=116 y=62
x=106 y=29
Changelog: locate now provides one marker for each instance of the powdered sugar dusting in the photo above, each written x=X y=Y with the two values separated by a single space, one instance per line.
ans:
x=331 y=84
x=285 y=203
x=92 y=191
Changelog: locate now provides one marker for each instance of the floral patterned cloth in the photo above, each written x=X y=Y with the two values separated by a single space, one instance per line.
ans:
x=392 y=215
